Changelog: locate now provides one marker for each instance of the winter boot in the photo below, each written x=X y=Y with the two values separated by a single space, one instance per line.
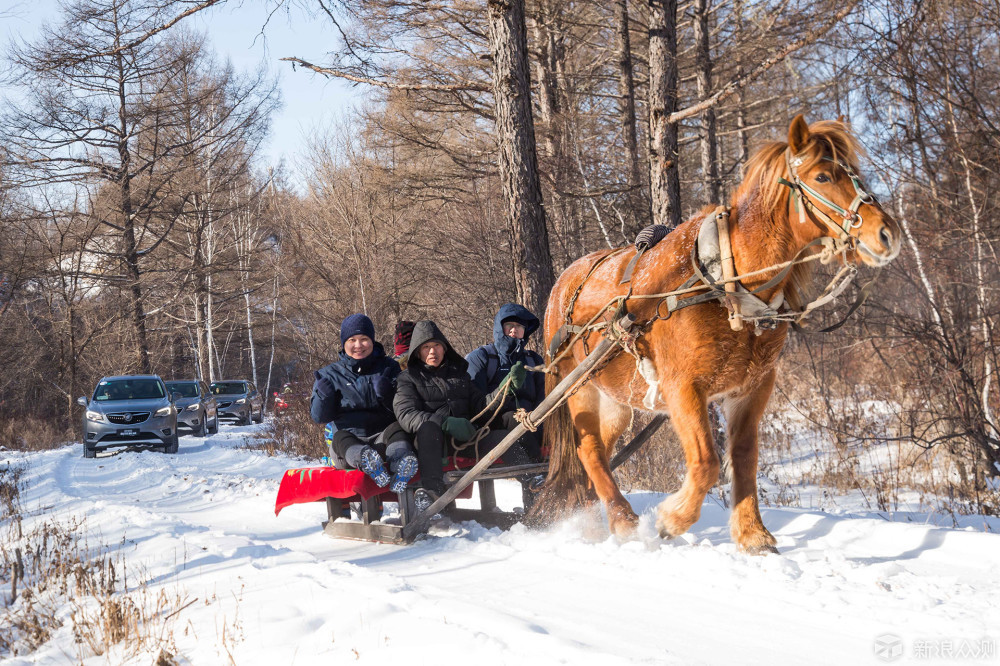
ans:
x=372 y=465
x=406 y=469
x=535 y=483
x=423 y=498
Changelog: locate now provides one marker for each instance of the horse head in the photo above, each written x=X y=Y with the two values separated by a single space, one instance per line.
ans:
x=821 y=172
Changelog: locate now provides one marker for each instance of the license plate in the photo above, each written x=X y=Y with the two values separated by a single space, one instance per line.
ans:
x=128 y=432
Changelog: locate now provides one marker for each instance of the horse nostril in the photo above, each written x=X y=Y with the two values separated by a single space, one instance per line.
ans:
x=885 y=237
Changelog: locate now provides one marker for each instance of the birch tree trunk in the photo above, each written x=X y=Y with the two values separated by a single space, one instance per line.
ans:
x=981 y=319
x=518 y=161
x=245 y=232
x=274 y=328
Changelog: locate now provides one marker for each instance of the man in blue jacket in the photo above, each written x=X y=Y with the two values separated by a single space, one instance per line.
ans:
x=353 y=396
x=489 y=365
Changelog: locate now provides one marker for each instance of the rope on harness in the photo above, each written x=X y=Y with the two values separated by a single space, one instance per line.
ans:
x=523 y=416
x=499 y=397
x=576 y=294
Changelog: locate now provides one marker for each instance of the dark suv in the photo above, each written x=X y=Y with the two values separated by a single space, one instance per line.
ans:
x=239 y=401
x=196 y=407
x=129 y=411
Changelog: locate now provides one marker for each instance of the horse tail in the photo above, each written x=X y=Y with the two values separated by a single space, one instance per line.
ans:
x=567 y=486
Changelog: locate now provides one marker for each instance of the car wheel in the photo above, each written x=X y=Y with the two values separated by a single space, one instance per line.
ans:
x=214 y=428
x=203 y=430
x=89 y=452
x=172 y=445
x=260 y=416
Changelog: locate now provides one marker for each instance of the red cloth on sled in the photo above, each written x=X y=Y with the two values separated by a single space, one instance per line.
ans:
x=311 y=484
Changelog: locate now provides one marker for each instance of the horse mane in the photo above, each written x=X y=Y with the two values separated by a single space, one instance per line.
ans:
x=762 y=194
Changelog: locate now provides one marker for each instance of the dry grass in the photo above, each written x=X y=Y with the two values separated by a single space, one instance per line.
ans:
x=27 y=433
x=292 y=432
x=658 y=466
x=52 y=577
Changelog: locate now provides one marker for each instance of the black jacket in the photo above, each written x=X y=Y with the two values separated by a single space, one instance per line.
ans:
x=353 y=406
x=426 y=394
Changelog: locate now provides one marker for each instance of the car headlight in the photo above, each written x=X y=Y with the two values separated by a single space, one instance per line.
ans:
x=94 y=416
x=195 y=407
x=241 y=401
x=164 y=411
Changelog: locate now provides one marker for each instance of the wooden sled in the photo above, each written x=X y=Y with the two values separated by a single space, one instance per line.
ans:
x=354 y=504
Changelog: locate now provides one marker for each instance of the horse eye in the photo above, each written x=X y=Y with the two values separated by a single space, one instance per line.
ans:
x=822 y=178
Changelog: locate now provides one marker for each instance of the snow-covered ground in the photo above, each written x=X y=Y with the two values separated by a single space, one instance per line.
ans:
x=847 y=588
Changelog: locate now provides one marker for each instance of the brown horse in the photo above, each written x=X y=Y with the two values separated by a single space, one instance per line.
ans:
x=793 y=193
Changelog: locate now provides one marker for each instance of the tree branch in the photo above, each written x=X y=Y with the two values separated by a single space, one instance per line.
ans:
x=325 y=71
x=735 y=84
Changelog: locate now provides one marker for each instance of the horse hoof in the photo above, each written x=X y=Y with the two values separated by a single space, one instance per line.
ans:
x=763 y=549
x=665 y=532
x=623 y=530
x=623 y=522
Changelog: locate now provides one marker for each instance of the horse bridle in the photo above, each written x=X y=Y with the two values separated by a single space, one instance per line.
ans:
x=851 y=219
x=803 y=195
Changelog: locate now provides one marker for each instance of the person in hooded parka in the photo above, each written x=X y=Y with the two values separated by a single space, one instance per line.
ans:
x=436 y=401
x=490 y=364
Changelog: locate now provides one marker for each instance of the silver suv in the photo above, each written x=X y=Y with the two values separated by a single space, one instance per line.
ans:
x=239 y=401
x=196 y=407
x=129 y=411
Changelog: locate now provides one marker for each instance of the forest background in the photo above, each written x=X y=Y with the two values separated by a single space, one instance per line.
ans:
x=497 y=141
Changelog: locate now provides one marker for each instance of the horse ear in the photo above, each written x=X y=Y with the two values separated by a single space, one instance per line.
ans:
x=798 y=134
x=840 y=119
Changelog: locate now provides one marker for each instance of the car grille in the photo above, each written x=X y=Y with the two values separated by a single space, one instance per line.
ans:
x=128 y=417
x=223 y=405
x=141 y=437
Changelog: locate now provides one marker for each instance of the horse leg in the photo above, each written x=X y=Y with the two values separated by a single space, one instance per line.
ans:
x=600 y=421
x=743 y=414
x=689 y=415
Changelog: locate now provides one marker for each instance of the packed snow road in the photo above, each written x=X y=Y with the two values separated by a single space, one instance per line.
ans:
x=200 y=524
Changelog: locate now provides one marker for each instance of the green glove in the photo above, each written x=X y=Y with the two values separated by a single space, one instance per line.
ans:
x=461 y=429
x=518 y=373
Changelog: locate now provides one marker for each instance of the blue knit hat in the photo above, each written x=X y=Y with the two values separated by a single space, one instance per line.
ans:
x=356 y=324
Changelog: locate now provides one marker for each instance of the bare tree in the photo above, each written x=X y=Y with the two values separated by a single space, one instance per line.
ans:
x=518 y=161
x=95 y=117
x=664 y=156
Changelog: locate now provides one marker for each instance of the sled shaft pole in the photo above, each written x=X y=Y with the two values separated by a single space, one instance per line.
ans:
x=629 y=449
x=420 y=522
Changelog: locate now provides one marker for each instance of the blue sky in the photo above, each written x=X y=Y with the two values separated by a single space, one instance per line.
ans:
x=310 y=102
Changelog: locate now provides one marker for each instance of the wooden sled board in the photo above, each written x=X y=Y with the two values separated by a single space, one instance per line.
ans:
x=369 y=527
